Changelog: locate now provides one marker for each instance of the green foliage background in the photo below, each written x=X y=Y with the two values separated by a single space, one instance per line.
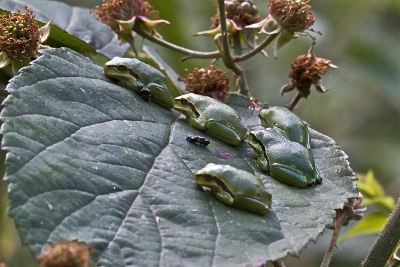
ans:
x=361 y=112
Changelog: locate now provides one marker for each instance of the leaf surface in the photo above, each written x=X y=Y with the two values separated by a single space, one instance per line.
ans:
x=89 y=160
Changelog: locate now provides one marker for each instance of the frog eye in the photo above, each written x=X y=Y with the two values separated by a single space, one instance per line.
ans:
x=121 y=68
x=184 y=101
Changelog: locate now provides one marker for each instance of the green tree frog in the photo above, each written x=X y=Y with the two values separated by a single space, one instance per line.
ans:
x=143 y=79
x=235 y=187
x=287 y=161
x=289 y=123
x=217 y=119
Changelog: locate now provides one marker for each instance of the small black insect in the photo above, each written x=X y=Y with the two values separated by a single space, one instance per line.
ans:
x=198 y=140
x=145 y=93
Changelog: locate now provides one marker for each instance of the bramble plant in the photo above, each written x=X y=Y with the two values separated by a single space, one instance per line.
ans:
x=101 y=166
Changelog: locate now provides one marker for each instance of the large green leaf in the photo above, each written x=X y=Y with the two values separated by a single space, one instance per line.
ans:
x=89 y=160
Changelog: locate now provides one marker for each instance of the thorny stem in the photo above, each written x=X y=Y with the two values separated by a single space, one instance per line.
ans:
x=329 y=253
x=386 y=241
x=228 y=60
x=294 y=102
x=189 y=53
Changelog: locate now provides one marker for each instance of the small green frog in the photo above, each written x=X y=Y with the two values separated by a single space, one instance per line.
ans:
x=235 y=187
x=217 y=119
x=289 y=123
x=287 y=161
x=143 y=79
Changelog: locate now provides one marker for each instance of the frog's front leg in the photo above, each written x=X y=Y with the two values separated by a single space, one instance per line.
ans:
x=250 y=204
x=288 y=175
x=161 y=95
x=141 y=89
x=223 y=132
x=224 y=197
x=262 y=164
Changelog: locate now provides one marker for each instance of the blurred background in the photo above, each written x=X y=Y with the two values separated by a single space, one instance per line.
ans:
x=361 y=111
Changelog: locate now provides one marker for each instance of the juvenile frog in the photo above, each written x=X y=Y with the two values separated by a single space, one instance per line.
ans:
x=287 y=161
x=235 y=187
x=143 y=79
x=217 y=119
x=286 y=121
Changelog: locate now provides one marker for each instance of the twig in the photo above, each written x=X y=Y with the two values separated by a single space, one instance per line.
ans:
x=257 y=49
x=341 y=216
x=294 y=102
x=189 y=53
x=386 y=241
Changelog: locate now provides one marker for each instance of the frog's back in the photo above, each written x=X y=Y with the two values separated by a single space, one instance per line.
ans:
x=289 y=122
x=292 y=154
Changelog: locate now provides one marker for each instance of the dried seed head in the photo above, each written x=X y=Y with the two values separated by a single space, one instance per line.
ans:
x=306 y=71
x=112 y=11
x=20 y=34
x=209 y=82
x=67 y=254
x=293 y=15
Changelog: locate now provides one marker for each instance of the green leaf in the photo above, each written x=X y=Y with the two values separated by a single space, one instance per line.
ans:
x=371 y=224
x=369 y=186
x=76 y=21
x=89 y=160
x=386 y=203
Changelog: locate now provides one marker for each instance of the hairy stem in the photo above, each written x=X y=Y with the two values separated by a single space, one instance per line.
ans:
x=386 y=241
x=189 y=53
x=340 y=216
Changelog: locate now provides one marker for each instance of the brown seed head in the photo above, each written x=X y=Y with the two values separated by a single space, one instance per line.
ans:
x=209 y=82
x=306 y=71
x=112 y=10
x=19 y=34
x=68 y=254
x=293 y=15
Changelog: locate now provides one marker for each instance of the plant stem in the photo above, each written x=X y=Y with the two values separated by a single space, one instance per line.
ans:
x=338 y=225
x=257 y=49
x=294 y=102
x=227 y=57
x=386 y=241
x=189 y=53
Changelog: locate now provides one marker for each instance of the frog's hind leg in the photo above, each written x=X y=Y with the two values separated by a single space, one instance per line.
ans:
x=223 y=132
x=161 y=95
x=251 y=204
x=289 y=175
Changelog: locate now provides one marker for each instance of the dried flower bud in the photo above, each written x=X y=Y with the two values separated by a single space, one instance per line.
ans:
x=20 y=37
x=68 y=254
x=306 y=71
x=286 y=18
x=209 y=82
